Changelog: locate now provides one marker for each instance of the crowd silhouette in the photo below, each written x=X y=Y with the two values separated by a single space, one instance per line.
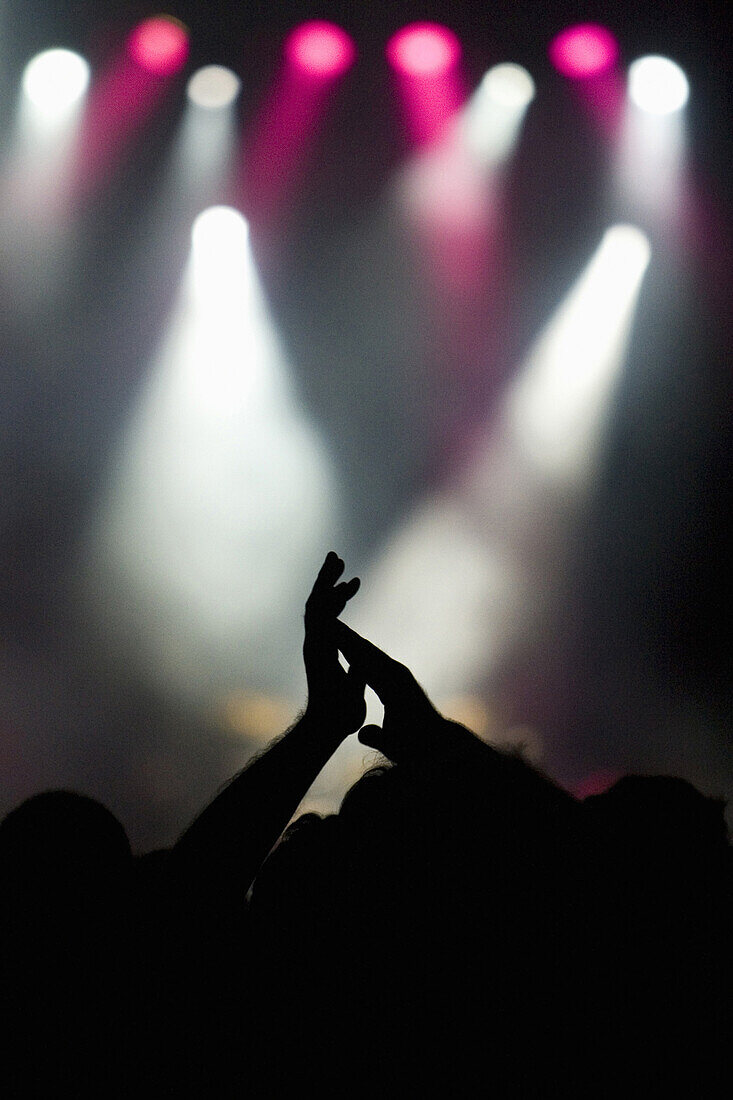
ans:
x=462 y=924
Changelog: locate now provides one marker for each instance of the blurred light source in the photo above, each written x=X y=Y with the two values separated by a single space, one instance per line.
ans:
x=159 y=45
x=423 y=49
x=220 y=256
x=220 y=231
x=508 y=85
x=213 y=87
x=558 y=403
x=506 y=517
x=55 y=81
x=320 y=49
x=585 y=50
x=494 y=114
x=658 y=85
x=223 y=490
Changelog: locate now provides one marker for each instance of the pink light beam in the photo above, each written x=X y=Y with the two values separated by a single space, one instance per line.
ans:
x=316 y=55
x=125 y=93
x=425 y=59
x=423 y=49
x=583 y=51
x=320 y=49
x=159 y=45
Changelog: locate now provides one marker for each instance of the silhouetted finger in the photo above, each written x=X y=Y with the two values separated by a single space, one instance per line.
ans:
x=342 y=593
x=390 y=679
x=328 y=574
x=330 y=571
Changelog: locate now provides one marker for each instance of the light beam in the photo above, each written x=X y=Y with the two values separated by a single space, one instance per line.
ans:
x=221 y=497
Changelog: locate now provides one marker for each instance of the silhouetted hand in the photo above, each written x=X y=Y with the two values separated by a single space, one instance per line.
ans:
x=335 y=697
x=412 y=728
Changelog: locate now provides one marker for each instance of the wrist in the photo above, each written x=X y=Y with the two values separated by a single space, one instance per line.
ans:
x=320 y=722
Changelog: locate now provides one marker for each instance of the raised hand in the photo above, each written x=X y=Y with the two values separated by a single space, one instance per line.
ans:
x=412 y=729
x=335 y=697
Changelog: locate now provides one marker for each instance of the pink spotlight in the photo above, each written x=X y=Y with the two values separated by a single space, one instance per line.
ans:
x=423 y=49
x=587 y=49
x=159 y=45
x=320 y=49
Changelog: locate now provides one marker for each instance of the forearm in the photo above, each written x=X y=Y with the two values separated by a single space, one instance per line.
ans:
x=239 y=827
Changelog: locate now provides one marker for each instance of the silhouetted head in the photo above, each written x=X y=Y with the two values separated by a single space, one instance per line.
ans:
x=661 y=810
x=62 y=846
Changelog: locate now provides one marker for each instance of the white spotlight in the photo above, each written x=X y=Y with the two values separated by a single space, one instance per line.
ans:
x=627 y=252
x=558 y=403
x=495 y=112
x=55 y=81
x=220 y=228
x=220 y=255
x=658 y=85
x=221 y=486
x=509 y=84
x=213 y=87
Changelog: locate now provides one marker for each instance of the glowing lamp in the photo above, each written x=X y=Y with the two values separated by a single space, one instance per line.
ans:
x=585 y=50
x=509 y=86
x=219 y=228
x=213 y=87
x=220 y=256
x=628 y=248
x=658 y=85
x=320 y=49
x=423 y=49
x=159 y=45
x=55 y=80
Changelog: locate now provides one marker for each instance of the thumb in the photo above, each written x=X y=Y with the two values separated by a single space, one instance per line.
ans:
x=374 y=738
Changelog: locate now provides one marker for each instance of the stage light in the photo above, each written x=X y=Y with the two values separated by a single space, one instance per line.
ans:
x=658 y=85
x=221 y=495
x=320 y=49
x=159 y=45
x=55 y=81
x=509 y=85
x=213 y=87
x=219 y=227
x=220 y=256
x=495 y=112
x=557 y=406
x=507 y=515
x=585 y=50
x=423 y=50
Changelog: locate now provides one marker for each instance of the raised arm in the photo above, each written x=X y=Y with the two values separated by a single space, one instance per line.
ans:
x=236 y=831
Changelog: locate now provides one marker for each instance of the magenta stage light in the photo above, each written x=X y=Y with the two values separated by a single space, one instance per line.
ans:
x=423 y=49
x=159 y=45
x=585 y=50
x=320 y=49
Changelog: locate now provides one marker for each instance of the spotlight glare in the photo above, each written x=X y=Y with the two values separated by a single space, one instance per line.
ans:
x=320 y=49
x=55 y=80
x=220 y=254
x=159 y=45
x=658 y=85
x=213 y=87
x=585 y=50
x=627 y=250
x=558 y=402
x=494 y=115
x=220 y=228
x=509 y=85
x=423 y=49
